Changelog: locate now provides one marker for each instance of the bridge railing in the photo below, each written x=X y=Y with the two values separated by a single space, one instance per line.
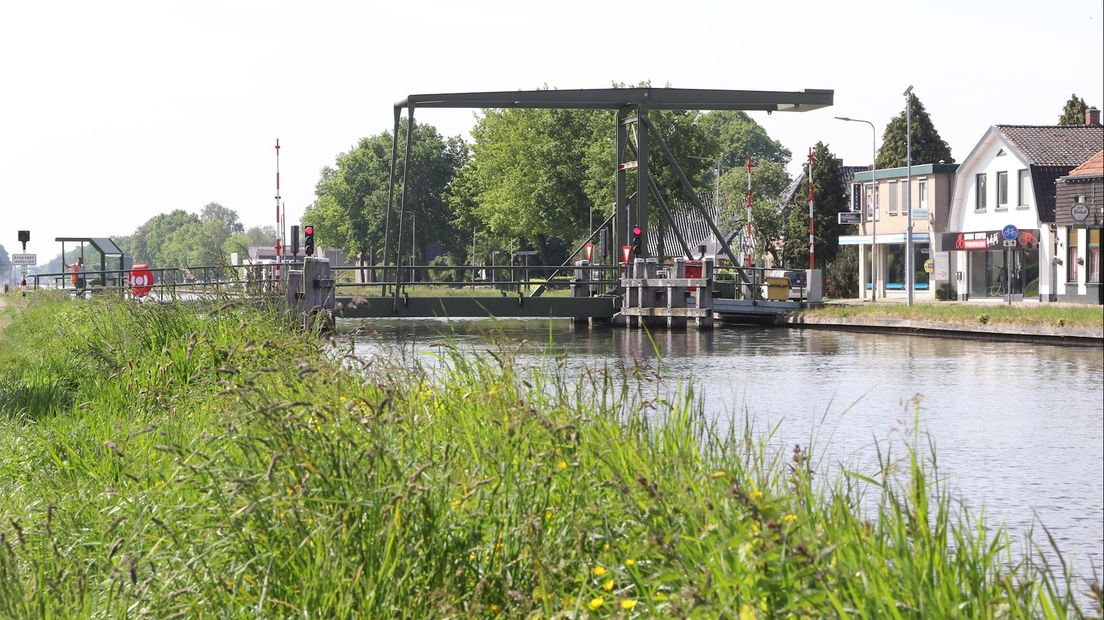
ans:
x=512 y=278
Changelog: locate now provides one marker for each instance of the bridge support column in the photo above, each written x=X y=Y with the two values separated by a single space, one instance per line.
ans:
x=676 y=296
x=318 y=288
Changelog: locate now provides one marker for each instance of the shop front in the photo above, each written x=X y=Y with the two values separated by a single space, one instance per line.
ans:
x=996 y=267
x=885 y=261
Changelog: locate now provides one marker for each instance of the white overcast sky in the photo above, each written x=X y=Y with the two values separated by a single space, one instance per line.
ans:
x=113 y=111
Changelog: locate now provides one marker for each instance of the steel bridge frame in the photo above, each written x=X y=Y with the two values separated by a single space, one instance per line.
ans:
x=632 y=106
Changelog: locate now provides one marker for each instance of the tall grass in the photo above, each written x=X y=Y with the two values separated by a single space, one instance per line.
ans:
x=177 y=461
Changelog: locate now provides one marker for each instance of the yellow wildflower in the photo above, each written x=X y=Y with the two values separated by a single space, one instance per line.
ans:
x=596 y=602
x=755 y=526
x=756 y=494
x=660 y=596
x=561 y=465
x=630 y=562
x=628 y=603
x=747 y=612
x=789 y=518
x=608 y=585
x=494 y=608
x=454 y=504
x=599 y=571
x=569 y=601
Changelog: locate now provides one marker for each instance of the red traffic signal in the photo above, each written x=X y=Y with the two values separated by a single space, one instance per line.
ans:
x=308 y=240
x=637 y=231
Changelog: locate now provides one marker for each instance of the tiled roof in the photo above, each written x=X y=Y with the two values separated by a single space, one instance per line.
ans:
x=1094 y=166
x=1055 y=145
x=847 y=176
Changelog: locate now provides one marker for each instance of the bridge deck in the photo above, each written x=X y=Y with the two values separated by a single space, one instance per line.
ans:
x=475 y=307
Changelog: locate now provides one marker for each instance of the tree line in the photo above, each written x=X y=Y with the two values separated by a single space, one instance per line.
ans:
x=536 y=179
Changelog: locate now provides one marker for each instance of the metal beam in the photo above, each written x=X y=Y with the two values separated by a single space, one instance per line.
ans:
x=617 y=98
x=696 y=202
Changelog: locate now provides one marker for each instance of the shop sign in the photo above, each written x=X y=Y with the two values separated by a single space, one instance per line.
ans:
x=1079 y=212
x=989 y=239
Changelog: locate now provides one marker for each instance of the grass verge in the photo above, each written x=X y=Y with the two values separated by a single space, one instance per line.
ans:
x=1047 y=315
x=208 y=461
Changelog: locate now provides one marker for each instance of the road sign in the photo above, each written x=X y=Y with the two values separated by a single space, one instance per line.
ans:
x=849 y=217
x=626 y=250
x=1010 y=232
x=589 y=251
x=526 y=252
x=929 y=266
x=919 y=214
x=1009 y=243
x=24 y=259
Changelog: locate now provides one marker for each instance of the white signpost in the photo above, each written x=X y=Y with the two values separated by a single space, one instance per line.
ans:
x=29 y=260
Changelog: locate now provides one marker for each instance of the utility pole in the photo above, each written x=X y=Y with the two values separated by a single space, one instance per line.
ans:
x=909 y=274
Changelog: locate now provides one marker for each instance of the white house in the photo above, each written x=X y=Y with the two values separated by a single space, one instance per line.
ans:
x=1006 y=188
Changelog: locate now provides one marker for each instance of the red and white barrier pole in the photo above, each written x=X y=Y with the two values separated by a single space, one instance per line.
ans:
x=748 y=243
x=279 y=248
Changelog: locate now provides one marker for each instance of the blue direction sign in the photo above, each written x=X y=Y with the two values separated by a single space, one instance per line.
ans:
x=1010 y=232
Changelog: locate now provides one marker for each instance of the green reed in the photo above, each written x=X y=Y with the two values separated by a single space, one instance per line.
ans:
x=209 y=461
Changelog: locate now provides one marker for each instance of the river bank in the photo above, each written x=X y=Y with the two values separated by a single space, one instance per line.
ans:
x=169 y=460
x=1050 y=324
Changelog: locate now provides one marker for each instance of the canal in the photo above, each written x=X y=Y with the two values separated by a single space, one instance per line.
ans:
x=1018 y=428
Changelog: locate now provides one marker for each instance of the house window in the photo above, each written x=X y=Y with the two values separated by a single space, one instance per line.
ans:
x=923 y=195
x=1071 y=255
x=1002 y=190
x=979 y=204
x=893 y=186
x=1025 y=181
x=1094 y=255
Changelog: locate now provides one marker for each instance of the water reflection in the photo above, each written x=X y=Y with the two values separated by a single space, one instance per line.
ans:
x=1019 y=428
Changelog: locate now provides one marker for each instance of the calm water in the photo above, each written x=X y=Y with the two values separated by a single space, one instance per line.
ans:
x=1019 y=428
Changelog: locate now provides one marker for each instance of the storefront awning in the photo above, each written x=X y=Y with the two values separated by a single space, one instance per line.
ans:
x=882 y=239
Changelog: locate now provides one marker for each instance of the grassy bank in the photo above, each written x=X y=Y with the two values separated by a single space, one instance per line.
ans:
x=1042 y=315
x=178 y=462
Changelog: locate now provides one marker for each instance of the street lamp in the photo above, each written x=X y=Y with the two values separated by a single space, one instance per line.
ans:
x=909 y=276
x=873 y=207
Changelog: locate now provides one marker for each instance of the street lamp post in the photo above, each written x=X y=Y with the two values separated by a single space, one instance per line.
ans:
x=909 y=269
x=413 y=244
x=873 y=207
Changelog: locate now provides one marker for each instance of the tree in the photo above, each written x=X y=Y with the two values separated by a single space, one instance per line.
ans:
x=927 y=146
x=1074 y=112
x=736 y=136
x=255 y=236
x=352 y=198
x=5 y=261
x=527 y=176
x=830 y=198
x=214 y=212
x=768 y=180
x=152 y=235
x=536 y=175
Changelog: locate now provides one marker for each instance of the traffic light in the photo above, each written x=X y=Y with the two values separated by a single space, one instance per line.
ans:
x=636 y=232
x=24 y=237
x=294 y=240
x=308 y=240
